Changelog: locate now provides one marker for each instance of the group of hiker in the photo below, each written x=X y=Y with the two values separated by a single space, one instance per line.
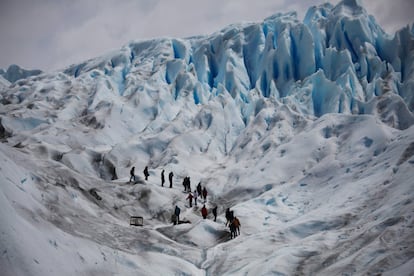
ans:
x=199 y=192
x=132 y=174
x=231 y=221
x=204 y=213
x=170 y=178
x=146 y=174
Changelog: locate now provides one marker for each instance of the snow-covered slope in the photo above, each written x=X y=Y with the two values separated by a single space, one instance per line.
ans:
x=304 y=129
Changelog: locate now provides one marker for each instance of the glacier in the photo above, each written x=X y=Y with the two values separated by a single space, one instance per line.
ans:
x=303 y=128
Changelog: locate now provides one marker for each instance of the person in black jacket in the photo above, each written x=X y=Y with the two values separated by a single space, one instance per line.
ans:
x=162 y=178
x=204 y=193
x=170 y=178
x=215 y=213
x=199 y=189
x=132 y=173
x=229 y=216
x=146 y=174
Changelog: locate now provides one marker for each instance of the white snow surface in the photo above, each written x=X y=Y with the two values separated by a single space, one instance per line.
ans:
x=304 y=129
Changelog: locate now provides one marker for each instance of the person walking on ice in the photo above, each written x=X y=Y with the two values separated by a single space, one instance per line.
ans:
x=229 y=216
x=199 y=189
x=146 y=174
x=236 y=223
x=170 y=178
x=162 y=178
x=195 y=195
x=132 y=173
x=185 y=184
x=190 y=199
x=215 y=213
x=205 y=194
x=204 y=212
x=177 y=214
x=233 y=232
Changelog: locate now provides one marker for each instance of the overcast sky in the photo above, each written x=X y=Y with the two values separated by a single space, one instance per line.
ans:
x=51 y=34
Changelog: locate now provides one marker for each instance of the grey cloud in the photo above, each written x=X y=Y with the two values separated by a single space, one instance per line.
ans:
x=51 y=34
x=392 y=16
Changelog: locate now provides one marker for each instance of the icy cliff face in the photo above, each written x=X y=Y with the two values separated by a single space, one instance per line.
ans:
x=334 y=61
x=304 y=128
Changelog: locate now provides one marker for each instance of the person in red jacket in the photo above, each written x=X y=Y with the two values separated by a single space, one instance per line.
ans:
x=204 y=212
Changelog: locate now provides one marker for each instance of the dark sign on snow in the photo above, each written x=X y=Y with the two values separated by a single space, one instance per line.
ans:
x=137 y=221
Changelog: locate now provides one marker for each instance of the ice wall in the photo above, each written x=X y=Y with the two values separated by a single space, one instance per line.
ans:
x=339 y=53
x=275 y=74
